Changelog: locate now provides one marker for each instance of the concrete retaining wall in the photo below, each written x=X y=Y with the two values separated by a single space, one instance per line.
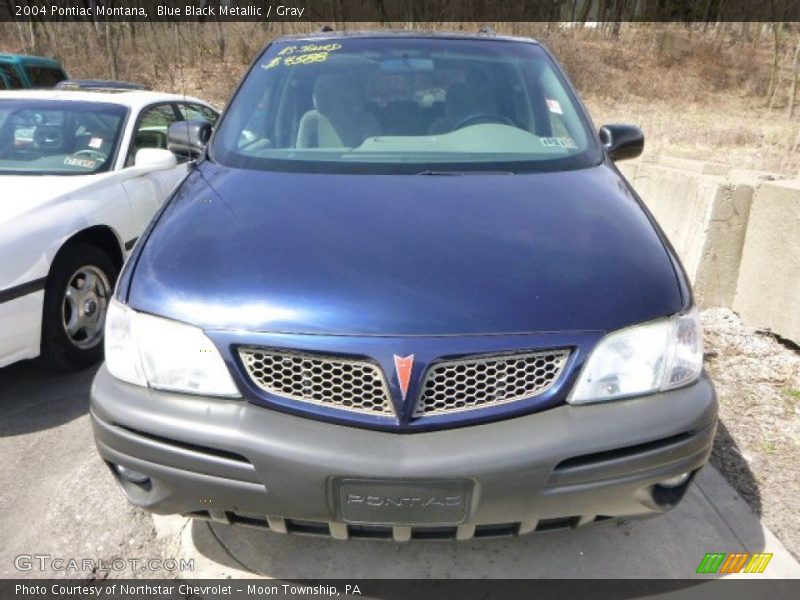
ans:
x=768 y=290
x=737 y=233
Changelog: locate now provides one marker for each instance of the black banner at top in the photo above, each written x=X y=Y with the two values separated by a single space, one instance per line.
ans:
x=386 y=11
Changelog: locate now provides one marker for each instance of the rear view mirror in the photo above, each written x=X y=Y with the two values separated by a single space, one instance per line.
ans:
x=622 y=141
x=395 y=65
x=188 y=138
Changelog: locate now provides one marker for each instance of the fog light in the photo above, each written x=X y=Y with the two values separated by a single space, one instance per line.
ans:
x=674 y=482
x=131 y=475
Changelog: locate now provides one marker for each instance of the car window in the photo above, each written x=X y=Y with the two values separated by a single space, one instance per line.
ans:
x=379 y=105
x=198 y=111
x=58 y=137
x=151 y=130
x=44 y=77
x=11 y=77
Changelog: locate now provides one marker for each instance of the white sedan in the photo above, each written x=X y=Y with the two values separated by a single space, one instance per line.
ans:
x=81 y=175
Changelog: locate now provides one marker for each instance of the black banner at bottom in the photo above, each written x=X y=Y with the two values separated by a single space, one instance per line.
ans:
x=416 y=589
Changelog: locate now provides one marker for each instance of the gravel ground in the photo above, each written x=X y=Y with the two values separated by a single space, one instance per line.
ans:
x=758 y=441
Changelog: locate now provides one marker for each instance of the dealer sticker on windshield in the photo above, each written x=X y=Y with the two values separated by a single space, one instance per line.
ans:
x=559 y=142
x=85 y=163
x=554 y=106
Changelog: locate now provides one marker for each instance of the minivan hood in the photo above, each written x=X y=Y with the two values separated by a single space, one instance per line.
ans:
x=406 y=254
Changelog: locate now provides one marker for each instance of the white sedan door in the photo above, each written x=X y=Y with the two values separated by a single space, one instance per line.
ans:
x=147 y=189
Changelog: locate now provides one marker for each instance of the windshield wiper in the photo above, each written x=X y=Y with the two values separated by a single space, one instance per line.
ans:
x=435 y=172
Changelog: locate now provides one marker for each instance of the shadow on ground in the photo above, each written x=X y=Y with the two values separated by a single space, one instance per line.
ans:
x=712 y=518
x=35 y=399
x=727 y=458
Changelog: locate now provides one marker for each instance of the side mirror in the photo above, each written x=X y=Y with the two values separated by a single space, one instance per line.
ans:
x=622 y=141
x=155 y=158
x=188 y=138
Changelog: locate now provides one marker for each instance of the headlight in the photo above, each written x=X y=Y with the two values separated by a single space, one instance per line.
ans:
x=163 y=354
x=642 y=359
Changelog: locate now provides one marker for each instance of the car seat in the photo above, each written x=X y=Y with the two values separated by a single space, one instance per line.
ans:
x=339 y=117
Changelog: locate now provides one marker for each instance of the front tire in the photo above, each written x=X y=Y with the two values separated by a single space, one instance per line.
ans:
x=76 y=298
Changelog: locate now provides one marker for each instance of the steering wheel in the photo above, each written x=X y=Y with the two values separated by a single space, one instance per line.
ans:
x=49 y=137
x=89 y=153
x=471 y=120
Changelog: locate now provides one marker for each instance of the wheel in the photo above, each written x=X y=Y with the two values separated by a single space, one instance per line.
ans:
x=76 y=299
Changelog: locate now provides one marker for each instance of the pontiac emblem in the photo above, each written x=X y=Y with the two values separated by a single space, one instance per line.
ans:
x=403 y=366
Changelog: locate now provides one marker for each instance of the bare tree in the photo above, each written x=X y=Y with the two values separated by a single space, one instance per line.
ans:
x=777 y=28
x=111 y=50
x=795 y=77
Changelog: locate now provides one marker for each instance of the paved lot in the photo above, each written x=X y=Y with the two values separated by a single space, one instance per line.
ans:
x=59 y=499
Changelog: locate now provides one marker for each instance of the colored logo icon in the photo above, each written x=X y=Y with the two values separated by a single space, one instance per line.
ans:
x=736 y=562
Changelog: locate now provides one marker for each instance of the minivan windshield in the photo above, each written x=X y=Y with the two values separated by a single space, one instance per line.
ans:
x=58 y=137
x=405 y=105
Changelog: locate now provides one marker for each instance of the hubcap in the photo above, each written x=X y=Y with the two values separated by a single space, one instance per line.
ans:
x=84 y=307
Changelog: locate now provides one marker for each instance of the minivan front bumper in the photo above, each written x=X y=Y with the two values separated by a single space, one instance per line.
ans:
x=233 y=461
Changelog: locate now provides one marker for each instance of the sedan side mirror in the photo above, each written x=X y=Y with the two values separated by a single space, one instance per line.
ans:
x=622 y=141
x=155 y=159
x=188 y=138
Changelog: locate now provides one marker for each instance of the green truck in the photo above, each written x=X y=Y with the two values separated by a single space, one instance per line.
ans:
x=18 y=71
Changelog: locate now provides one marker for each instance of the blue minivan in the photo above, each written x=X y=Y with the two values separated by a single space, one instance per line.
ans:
x=20 y=71
x=404 y=293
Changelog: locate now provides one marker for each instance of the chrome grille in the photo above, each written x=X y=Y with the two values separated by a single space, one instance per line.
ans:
x=481 y=382
x=354 y=385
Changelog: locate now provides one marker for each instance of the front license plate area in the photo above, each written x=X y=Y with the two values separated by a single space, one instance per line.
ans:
x=403 y=502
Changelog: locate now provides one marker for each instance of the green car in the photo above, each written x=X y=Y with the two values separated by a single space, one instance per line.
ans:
x=19 y=71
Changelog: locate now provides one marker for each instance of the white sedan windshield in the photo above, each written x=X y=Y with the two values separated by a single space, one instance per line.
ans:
x=51 y=137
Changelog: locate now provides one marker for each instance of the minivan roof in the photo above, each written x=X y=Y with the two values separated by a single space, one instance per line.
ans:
x=416 y=33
